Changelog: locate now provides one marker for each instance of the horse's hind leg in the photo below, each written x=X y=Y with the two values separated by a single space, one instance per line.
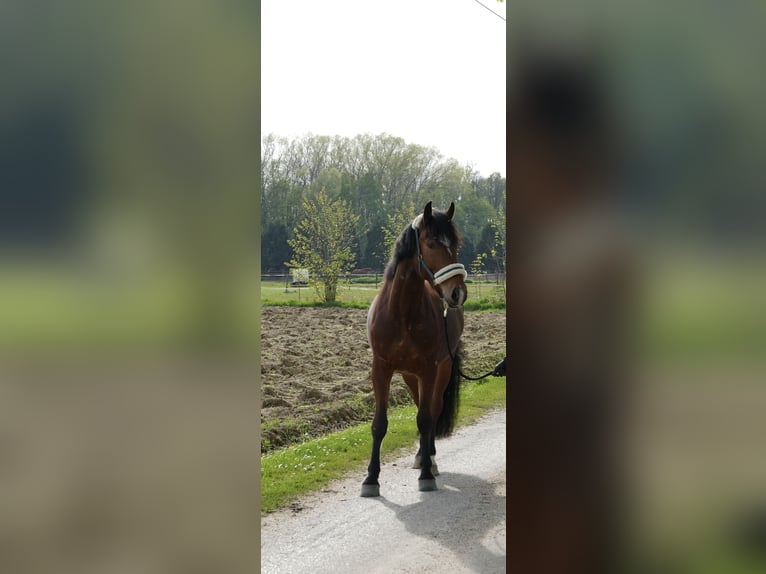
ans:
x=426 y=427
x=412 y=384
x=419 y=457
x=429 y=411
x=381 y=381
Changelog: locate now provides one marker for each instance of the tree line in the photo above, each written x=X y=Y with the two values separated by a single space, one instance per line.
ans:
x=384 y=182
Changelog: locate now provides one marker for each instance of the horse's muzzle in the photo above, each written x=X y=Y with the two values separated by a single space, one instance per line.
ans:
x=457 y=296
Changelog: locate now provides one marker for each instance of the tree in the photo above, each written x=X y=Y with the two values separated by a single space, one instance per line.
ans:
x=274 y=248
x=323 y=242
x=381 y=178
x=394 y=226
x=474 y=215
x=498 y=249
x=477 y=268
x=369 y=246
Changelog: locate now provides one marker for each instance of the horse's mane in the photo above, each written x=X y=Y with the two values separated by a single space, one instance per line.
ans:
x=439 y=226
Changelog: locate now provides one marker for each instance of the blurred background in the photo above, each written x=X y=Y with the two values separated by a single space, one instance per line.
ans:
x=682 y=86
x=129 y=255
x=129 y=261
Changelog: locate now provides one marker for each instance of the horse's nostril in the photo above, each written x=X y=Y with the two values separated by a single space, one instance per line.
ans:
x=456 y=294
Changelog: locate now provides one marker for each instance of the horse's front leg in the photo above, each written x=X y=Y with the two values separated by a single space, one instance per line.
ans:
x=381 y=381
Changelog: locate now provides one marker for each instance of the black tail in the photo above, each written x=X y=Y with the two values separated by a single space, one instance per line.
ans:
x=446 y=421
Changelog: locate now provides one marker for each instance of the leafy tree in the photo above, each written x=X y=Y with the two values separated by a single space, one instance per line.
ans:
x=487 y=242
x=491 y=189
x=477 y=268
x=467 y=252
x=323 y=242
x=274 y=247
x=498 y=250
x=473 y=214
x=331 y=180
x=396 y=222
x=491 y=247
x=477 y=265
x=372 y=240
x=380 y=177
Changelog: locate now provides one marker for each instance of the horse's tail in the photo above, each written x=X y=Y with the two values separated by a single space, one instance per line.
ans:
x=446 y=421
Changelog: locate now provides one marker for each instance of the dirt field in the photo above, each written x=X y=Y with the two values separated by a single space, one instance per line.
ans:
x=315 y=368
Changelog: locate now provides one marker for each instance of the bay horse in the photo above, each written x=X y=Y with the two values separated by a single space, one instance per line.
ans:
x=422 y=295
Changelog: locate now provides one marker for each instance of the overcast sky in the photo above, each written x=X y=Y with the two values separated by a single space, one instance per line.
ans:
x=429 y=71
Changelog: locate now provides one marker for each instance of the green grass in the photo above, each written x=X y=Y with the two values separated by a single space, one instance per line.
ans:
x=356 y=296
x=485 y=304
x=482 y=296
x=296 y=470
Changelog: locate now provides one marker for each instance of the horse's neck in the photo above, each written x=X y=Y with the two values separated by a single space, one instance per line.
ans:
x=408 y=290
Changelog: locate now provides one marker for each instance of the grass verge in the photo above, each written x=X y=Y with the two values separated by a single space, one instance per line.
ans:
x=298 y=469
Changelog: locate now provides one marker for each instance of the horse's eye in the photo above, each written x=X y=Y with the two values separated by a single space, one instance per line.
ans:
x=430 y=244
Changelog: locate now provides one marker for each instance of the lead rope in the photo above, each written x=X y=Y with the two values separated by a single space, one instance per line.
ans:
x=498 y=371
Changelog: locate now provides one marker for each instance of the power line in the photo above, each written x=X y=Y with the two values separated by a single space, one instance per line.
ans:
x=490 y=10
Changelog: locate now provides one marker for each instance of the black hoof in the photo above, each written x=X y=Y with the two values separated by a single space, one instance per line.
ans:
x=370 y=490
x=426 y=484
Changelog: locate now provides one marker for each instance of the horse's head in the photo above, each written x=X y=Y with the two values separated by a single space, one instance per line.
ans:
x=438 y=242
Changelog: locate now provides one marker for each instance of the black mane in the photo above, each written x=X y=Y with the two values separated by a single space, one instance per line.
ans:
x=438 y=226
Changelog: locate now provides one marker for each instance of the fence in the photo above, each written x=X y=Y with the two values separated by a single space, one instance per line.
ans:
x=375 y=279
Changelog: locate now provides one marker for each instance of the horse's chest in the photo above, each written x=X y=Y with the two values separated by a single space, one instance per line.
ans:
x=413 y=344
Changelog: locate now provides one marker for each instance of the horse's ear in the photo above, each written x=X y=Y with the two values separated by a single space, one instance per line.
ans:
x=427 y=212
x=451 y=211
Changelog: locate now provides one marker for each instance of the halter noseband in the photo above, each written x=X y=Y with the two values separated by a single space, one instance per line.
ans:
x=445 y=272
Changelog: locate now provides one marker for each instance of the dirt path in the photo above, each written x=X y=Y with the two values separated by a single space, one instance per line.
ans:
x=457 y=529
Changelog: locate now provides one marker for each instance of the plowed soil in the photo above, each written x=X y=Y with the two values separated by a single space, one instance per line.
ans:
x=315 y=368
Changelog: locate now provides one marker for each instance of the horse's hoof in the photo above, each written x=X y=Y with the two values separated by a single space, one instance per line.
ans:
x=426 y=484
x=370 y=490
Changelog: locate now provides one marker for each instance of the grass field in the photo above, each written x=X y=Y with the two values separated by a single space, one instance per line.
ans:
x=481 y=295
x=348 y=295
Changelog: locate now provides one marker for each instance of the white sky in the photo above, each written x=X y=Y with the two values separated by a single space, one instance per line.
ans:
x=429 y=71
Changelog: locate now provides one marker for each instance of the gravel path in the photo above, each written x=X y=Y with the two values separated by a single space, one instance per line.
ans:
x=457 y=529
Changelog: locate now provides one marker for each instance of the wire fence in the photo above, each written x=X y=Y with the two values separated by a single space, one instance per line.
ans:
x=372 y=279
